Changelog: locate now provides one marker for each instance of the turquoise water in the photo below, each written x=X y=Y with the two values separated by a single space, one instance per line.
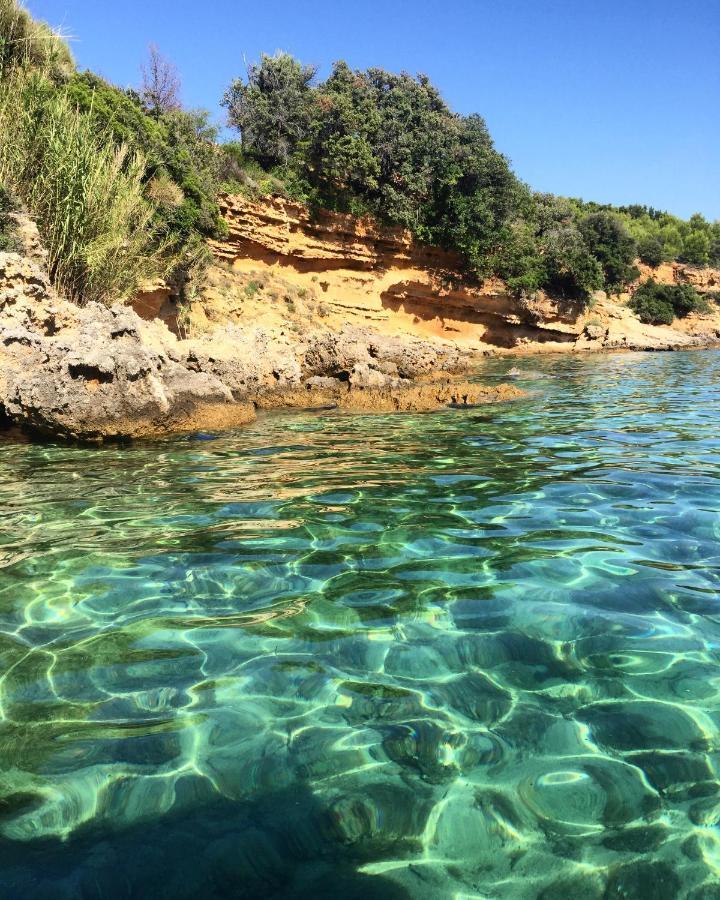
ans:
x=466 y=655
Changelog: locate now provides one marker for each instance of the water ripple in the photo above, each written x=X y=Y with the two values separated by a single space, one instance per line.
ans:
x=454 y=655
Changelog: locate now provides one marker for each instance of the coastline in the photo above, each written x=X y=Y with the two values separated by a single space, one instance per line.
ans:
x=295 y=313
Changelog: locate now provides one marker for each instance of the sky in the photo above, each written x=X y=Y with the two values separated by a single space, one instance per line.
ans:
x=610 y=100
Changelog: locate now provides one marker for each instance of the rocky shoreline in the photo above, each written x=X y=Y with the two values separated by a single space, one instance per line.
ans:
x=93 y=373
x=295 y=313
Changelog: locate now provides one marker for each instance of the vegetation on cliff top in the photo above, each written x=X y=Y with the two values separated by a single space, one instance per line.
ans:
x=370 y=142
x=124 y=182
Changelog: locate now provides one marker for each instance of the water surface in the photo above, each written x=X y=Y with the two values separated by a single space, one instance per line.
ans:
x=461 y=655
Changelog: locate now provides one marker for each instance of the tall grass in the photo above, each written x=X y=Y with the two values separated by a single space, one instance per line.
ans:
x=27 y=42
x=86 y=193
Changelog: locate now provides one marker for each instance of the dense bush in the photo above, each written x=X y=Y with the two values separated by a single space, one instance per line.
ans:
x=545 y=249
x=651 y=307
x=572 y=270
x=650 y=251
x=659 y=304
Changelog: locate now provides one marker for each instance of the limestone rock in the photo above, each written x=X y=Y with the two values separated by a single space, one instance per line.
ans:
x=95 y=372
x=595 y=332
x=92 y=372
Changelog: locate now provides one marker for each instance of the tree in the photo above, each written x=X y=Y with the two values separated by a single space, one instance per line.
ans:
x=477 y=196
x=612 y=246
x=160 y=88
x=273 y=108
x=698 y=222
x=571 y=269
x=714 y=255
x=546 y=250
x=650 y=251
x=672 y=240
x=651 y=306
x=341 y=154
x=696 y=248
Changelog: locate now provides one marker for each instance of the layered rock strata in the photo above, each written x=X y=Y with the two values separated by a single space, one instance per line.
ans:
x=279 y=259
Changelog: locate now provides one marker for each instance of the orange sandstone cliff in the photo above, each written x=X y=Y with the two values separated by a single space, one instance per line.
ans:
x=346 y=270
x=283 y=267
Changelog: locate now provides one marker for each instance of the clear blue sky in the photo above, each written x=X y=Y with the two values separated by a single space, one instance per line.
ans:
x=615 y=101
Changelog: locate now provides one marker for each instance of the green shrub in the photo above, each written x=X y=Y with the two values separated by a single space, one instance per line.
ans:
x=546 y=250
x=652 y=310
x=685 y=300
x=650 y=251
x=612 y=246
x=659 y=304
x=696 y=248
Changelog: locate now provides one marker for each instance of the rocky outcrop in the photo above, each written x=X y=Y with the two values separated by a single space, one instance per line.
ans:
x=97 y=372
x=279 y=263
x=159 y=300
x=703 y=278
x=321 y=240
x=386 y=396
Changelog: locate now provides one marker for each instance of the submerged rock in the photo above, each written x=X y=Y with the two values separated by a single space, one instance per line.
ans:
x=651 y=880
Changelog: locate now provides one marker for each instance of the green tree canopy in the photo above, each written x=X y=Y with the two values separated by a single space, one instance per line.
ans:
x=613 y=247
x=272 y=108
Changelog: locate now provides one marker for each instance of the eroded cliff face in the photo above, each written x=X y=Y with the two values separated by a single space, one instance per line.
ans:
x=284 y=267
x=347 y=270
